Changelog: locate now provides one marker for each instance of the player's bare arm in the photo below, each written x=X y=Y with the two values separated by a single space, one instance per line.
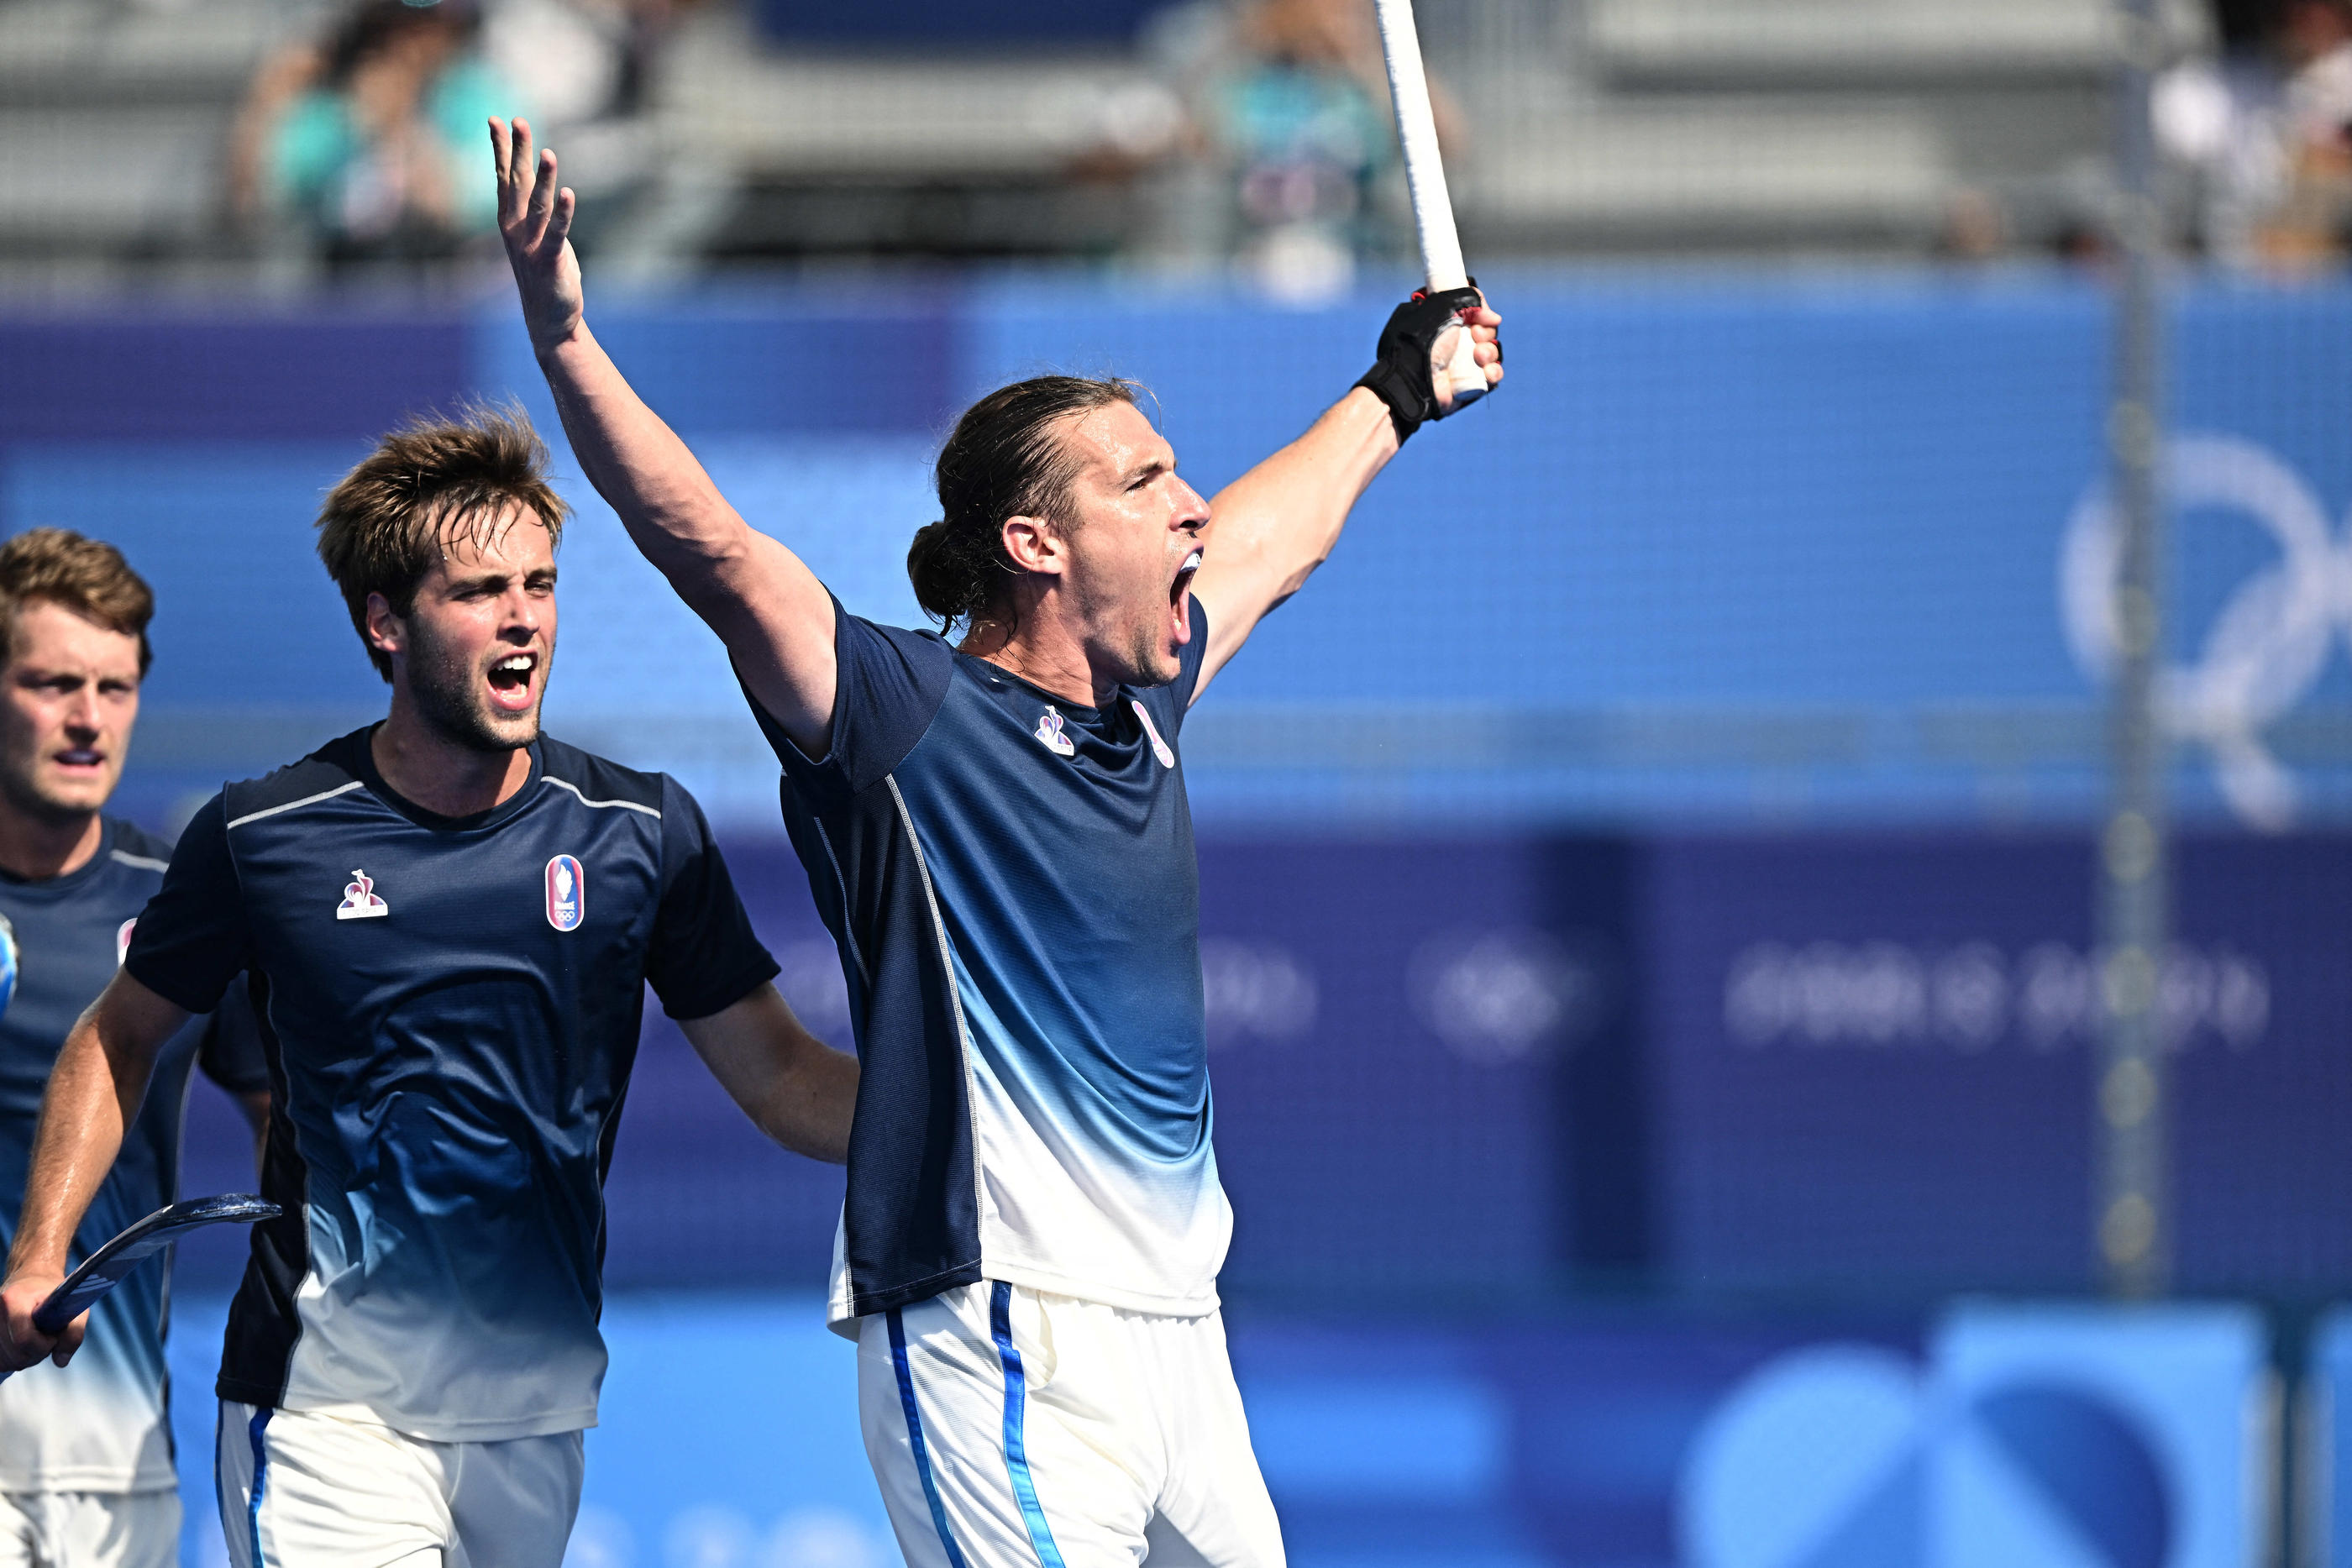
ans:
x=795 y=1088
x=765 y=605
x=1269 y=529
x=94 y=1092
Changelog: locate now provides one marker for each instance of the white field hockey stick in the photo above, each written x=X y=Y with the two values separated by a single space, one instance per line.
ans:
x=1460 y=378
x=104 y=1268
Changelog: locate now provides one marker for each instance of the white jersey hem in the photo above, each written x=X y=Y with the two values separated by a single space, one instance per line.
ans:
x=106 y=1481
x=477 y=1431
x=844 y=1322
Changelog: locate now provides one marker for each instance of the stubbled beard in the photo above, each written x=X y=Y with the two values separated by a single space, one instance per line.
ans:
x=21 y=787
x=451 y=705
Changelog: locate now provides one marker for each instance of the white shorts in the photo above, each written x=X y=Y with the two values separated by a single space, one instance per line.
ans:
x=1013 y=1429
x=89 y=1529
x=303 y=1490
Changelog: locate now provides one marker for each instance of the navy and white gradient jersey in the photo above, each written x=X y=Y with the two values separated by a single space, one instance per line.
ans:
x=450 y=1009
x=1011 y=883
x=100 y=1423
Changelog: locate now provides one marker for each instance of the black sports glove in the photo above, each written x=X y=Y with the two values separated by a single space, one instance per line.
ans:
x=1403 y=375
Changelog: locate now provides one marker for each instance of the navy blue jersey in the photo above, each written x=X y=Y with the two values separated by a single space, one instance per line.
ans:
x=100 y=1424
x=1011 y=883
x=450 y=1009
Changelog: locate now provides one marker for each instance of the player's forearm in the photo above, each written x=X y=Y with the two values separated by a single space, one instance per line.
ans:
x=93 y=1093
x=673 y=512
x=1280 y=521
x=810 y=1103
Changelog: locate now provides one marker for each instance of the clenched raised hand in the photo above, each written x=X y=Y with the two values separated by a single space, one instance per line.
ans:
x=535 y=221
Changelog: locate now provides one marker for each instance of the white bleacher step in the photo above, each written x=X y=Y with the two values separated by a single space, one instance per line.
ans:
x=1735 y=170
x=847 y=116
x=1881 y=41
x=105 y=177
x=80 y=52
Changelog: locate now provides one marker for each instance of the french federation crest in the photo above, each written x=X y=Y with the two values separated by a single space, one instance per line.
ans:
x=1050 y=734
x=359 y=899
x=122 y=940
x=567 y=893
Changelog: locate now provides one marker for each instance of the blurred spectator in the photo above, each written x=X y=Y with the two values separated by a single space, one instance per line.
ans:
x=372 y=141
x=579 y=62
x=1290 y=105
x=2263 y=130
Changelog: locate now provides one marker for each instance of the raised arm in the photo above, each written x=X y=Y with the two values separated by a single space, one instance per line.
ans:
x=765 y=605
x=795 y=1088
x=94 y=1091
x=1269 y=529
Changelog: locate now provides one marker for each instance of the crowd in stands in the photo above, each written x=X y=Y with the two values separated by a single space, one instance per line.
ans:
x=2259 y=135
x=364 y=139
x=367 y=140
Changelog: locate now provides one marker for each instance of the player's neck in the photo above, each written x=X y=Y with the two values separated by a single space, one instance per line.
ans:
x=36 y=847
x=1052 y=663
x=427 y=769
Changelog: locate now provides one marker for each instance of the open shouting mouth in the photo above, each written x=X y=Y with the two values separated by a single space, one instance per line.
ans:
x=1178 y=589
x=510 y=681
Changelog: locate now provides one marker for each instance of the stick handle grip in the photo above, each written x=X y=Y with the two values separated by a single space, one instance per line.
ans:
x=1461 y=379
x=1424 y=171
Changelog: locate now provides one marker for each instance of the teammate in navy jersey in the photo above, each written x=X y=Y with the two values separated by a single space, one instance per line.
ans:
x=448 y=921
x=86 y=1461
x=996 y=832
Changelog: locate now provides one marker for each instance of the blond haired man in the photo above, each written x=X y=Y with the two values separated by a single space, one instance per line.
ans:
x=86 y=1472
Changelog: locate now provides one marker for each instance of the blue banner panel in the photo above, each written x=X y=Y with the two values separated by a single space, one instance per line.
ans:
x=1874 y=1061
x=2060 y=1436
x=225 y=376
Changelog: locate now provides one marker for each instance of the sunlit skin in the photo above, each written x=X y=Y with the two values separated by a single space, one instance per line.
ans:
x=69 y=697
x=1106 y=600
x=469 y=667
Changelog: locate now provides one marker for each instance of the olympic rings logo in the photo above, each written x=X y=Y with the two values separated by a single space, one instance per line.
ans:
x=2267 y=648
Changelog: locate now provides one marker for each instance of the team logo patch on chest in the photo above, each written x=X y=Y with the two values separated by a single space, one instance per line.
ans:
x=1050 y=734
x=122 y=940
x=567 y=893
x=359 y=899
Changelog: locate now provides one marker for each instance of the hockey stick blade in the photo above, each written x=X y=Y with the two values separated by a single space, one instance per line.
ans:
x=105 y=1268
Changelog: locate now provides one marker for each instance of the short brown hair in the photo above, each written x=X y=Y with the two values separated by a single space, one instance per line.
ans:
x=382 y=527
x=87 y=576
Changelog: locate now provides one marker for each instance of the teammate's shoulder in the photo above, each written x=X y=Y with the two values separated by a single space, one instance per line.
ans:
x=598 y=782
x=329 y=771
x=133 y=847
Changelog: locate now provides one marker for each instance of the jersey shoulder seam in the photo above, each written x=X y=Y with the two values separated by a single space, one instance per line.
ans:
x=599 y=782
x=256 y=815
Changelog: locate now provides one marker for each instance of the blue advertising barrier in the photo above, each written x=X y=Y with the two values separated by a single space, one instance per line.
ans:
x=729 y=1433
x=1852 y=1066
x=2006 y=1437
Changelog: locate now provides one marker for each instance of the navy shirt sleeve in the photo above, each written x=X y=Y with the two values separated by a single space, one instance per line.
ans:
x=192 y=939
x=231 y=1053
x=889 y=687
x=704 y=956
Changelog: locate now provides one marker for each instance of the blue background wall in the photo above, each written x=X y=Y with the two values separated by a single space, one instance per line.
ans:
x=1647 y=869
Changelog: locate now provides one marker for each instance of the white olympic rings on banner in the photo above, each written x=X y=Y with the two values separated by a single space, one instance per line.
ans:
x=2268 y=646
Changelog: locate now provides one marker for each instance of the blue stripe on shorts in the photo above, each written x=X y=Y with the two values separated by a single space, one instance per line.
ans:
x=915 y=1437
x=1016 y=1448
